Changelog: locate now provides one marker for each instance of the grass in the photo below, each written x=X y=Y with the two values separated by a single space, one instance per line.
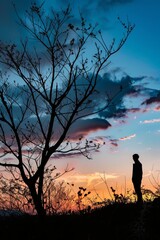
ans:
x=113 y=222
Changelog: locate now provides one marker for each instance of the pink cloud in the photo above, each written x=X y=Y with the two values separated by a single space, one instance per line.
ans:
x=157 y=108
x=127 y=137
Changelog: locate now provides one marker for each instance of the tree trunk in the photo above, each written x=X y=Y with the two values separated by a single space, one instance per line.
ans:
x=37 y=200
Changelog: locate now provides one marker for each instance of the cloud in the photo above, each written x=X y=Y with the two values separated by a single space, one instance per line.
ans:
x=114 y=142
x=152 y=94
x=108 y=98
x=153 y=99
x=106 y=87
x=157 y=108
x=122 y=112
x=85 y=126
x=94 y=11
x=117 y=91
x=66 y=155
x=88 y=180
x=150 y=121
x=123 y=92
x=134 y=110
x=89 y=8
x=127 y=137
x=103 y=6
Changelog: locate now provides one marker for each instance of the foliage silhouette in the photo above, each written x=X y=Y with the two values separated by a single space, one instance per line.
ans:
x=117 y=220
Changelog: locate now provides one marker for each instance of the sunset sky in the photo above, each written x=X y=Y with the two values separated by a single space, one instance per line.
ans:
x=134 y=124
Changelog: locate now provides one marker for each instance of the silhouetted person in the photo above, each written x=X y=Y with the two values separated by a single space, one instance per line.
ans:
x=137 y=177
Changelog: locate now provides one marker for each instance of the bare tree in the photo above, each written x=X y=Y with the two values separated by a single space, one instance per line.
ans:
x=55 y=76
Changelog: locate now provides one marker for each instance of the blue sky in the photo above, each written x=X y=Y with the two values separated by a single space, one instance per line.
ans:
x=134 y=126
x=143 y=47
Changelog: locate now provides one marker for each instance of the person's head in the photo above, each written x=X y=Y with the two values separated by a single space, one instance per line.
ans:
x=135 y=157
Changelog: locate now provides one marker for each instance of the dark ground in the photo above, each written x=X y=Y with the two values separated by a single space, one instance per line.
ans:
x=113 y=222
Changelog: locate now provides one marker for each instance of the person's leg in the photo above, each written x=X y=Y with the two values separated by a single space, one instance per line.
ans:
x=138 y=192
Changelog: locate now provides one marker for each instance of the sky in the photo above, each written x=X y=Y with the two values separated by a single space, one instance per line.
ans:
x=134 y=125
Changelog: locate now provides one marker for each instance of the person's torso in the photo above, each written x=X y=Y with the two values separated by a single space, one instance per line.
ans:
x=137 y=171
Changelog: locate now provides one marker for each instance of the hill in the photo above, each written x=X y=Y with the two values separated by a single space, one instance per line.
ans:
x=113 y=222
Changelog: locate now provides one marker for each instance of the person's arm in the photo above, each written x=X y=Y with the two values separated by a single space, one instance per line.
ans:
x=133 y=174
x=141 y=171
